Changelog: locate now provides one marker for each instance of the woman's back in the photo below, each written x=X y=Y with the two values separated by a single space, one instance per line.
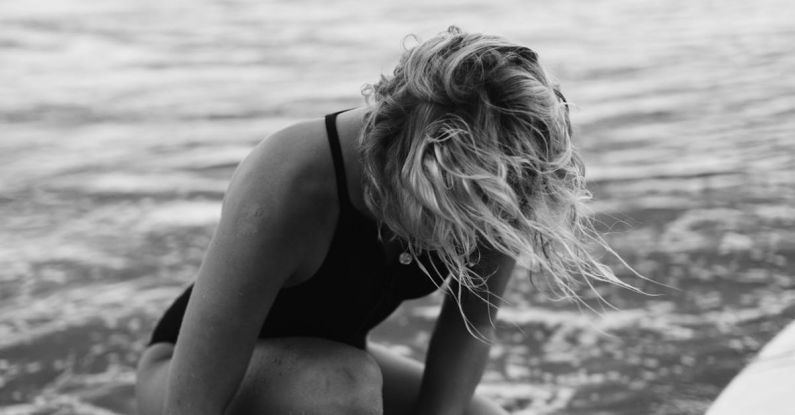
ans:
x=465 y=152
x=359 y=283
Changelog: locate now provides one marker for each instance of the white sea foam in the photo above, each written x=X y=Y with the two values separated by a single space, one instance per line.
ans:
x=122 y=122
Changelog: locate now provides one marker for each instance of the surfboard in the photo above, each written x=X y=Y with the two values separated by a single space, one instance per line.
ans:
x=767 y=385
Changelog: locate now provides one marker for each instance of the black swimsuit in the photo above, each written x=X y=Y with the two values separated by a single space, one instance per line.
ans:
x=355 y=288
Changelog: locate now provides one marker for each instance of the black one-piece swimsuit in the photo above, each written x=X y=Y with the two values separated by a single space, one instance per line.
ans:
x=355 y=288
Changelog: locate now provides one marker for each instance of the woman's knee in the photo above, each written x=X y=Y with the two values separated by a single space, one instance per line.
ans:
x=155 y=354
x=310 y=376
x=481 y=405
x=341 y=382
x=152 y=378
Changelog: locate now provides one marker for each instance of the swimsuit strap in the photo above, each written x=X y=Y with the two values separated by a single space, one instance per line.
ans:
x=339 y=163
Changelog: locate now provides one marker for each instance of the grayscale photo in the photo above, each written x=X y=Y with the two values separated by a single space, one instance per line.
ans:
x=240 y=207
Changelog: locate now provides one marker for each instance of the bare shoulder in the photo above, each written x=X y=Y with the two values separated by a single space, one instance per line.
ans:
x=285 y=187
x=290 y=165
x=293 y=160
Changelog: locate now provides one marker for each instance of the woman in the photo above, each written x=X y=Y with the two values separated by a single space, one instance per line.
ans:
x=460 y=165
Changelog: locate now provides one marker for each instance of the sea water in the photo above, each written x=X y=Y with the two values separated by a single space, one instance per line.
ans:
x=122 y=121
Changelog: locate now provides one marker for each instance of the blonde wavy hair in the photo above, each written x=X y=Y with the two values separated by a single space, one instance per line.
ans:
x=468 y=144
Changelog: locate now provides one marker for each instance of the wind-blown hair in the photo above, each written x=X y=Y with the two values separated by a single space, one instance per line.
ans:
x=468 y=144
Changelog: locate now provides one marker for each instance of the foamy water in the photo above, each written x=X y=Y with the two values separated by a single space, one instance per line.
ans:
x=121 y=122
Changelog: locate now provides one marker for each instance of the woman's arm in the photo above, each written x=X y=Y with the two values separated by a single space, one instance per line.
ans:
x=267 y=214
x=455 y=359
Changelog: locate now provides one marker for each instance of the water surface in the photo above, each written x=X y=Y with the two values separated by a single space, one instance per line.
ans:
x=121 y=123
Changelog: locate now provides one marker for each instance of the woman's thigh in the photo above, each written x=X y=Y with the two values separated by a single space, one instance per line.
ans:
x=286 y=375
x=402 y=377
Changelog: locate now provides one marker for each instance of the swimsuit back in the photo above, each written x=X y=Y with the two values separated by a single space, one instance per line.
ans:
x=354 y=289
